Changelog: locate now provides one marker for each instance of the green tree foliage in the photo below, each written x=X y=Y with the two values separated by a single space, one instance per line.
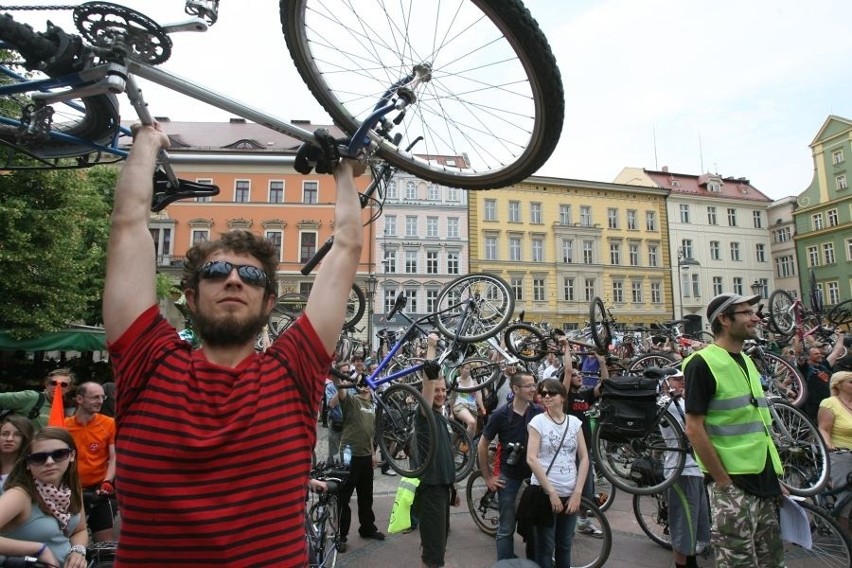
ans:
x=53 y=234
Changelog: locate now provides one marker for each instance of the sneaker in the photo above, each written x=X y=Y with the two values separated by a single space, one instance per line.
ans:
x=389 y=472
x=378 y=535
x=341 y=545
x=587 y=527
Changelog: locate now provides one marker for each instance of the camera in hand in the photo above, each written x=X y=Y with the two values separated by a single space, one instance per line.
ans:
x=516 y=451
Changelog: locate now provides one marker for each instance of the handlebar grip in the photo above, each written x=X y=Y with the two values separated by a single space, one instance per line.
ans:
x=18 y=561
x=318 y=256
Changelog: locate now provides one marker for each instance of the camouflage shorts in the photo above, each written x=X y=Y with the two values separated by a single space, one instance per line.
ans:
x=746 y=531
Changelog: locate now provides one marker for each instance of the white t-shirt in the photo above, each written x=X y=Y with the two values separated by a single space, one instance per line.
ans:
x=563 y=474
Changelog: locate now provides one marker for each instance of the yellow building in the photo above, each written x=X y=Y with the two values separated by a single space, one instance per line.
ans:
x=560 y=242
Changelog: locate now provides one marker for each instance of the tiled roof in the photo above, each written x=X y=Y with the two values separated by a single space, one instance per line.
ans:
x=686 y=184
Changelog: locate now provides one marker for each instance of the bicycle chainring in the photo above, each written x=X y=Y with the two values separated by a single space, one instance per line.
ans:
x=104 y=24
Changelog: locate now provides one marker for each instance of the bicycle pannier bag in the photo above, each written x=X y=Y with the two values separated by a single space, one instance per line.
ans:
x=628 y=407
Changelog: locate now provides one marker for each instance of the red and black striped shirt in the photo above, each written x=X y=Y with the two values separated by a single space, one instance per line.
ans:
x=213 y=461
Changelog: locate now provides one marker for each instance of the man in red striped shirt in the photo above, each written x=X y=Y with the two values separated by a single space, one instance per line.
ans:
x=214 y=444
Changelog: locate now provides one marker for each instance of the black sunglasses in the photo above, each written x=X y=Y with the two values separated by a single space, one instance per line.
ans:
x=40 y=458
x=221 y=269
x=544 y=393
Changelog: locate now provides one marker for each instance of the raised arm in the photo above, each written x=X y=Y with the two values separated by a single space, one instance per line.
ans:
x=326 y=308
x=130 y=269
x=839 y=349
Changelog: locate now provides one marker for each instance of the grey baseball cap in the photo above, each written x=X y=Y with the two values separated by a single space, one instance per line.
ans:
x=722 y=302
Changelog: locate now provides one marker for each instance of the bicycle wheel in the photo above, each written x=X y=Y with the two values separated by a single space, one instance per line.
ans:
x=841 y=314
x=494 y=100
x=599 y=324
x=484 y=373
x=405 y=427
x=661 y=360
x=463 y=450
x=354 y=307
x=525 y=342
x=831 y=547
x=801 y=448
x=638 y=465
x=781 y=312
x=589 y=551
x=323 y=540
x=286 y=310
x=474 y=307
x=482 y=504
x=652 y=514
x=782 y=378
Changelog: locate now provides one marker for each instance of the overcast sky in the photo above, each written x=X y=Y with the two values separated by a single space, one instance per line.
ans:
x=645 y=80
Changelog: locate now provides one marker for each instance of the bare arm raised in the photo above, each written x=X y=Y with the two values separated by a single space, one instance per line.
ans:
x=130 y=273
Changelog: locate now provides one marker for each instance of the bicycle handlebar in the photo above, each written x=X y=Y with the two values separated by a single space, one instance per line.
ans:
x=21 y=562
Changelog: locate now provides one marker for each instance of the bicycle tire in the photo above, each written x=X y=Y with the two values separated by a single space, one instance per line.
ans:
x=326 y=520
x=781 y=312
x=803 y=452
x=405 y=427
x=484 y=373
x=525 y=342
x=831 y=547
x=463 y=450
x=660 y=359
x=463 y=100
x=781 y=377
x=618 y=461
x=474 y=307
x=651 y=513
x=841 y=314
x=482 y=504
x=589 y=551
x=354 y=307
x=599 y=324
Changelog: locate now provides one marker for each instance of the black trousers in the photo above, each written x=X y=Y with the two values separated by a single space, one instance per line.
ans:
x=360 y=480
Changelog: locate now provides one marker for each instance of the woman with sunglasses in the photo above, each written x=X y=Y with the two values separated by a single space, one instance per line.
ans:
x=41 y=509
x=555 y=443
x=15 y=435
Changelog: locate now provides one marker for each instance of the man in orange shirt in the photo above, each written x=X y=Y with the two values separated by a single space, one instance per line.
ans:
x=94 y=435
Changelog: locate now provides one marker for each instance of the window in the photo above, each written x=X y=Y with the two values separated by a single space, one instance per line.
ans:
x=537 y=250
x=514 y=211
x=589 y=289
x=568 y=289
x=617 y=291
x=631 y=219
x=390 y=261
x=431 y=227
x=764 y=288
x=841 y=182
x=410 y=300
x=833 y=293
x=735 y=251
x=452 y=263
x=490 y=248
x=833 y=219
x=785 y=266
x=242 y=191
x=431 y=262
x=452 y=227
x=585 y=216
x=276 y=238
x=656 y=292
x=758 y=219
x=588 y=249
x=410 y=190
x=837 y=157
x=711 y=216
x=392 y=193
x=517 y=284
x=614 y=253
x=411 y=262
x=276 y=191
x=653 y=255
x=565 y=215
x=783 y=235
x=410 y=225
x=717 y=286
x=715 y=253
x=535 y=213
x=162 y=243
x=567 y=251
x=684 y=213
x=390 y=299
x=453 y=194
x=515 y=248
x=205 y=198
x=686 y=248
x=684 y=285
x=431 y=300
x=310 y=191
x=390 y=225
x=816 y=221
x=828 y=253
x=696 y=284
x=650 y=220
x=636 y=292
x=307 y=245
x=849 y=250
x=738 y=285
x=760 y=252
x=538 y=289
x=634 y=254
x=305 y=288
x=434 y=193
x=813 y=256
x=612 y=218
x=732 y=217
x=490 y=209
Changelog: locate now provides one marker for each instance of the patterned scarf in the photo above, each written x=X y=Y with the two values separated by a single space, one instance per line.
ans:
x=57 y=499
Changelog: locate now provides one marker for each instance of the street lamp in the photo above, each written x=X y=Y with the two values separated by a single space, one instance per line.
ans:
x=757 y=288
x=372 y=282
x=683 y=263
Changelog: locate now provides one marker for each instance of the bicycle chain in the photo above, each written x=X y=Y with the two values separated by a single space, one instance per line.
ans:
x=31 y=8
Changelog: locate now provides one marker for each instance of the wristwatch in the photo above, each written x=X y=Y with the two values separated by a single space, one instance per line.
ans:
x=79 y=549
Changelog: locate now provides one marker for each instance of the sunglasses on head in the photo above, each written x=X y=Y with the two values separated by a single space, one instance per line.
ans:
x=217 y=270
x=40 y=458
x=63 y=383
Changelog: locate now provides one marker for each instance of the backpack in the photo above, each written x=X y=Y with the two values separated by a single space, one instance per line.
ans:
x=628 y=407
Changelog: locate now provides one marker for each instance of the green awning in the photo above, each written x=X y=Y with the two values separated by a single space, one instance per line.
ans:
x=74 y=338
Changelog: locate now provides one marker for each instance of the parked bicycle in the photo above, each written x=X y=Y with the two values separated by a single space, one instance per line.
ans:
x=322 y=515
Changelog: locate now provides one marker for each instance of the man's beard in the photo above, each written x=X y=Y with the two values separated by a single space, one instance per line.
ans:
x=228 y=330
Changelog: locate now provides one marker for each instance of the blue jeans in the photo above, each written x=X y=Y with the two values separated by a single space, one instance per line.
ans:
x=506 y=529
x=558 y=536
